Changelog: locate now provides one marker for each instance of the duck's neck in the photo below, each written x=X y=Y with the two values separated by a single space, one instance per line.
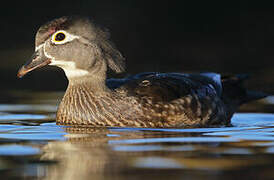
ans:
x=95 y=84
x=92 y=78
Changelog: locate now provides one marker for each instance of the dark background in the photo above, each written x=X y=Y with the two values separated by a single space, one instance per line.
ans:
x=181 y=36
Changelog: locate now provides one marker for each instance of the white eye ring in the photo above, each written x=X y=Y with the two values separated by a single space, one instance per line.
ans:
x=62 y=37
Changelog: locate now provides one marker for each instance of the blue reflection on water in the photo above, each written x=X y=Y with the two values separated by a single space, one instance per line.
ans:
x=47 y=131
x=14 y=117
x=22 y=150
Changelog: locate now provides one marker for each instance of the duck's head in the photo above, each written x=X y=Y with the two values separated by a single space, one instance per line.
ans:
x=76 y=45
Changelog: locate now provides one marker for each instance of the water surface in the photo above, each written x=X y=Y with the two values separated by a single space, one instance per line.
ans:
x=32 y=146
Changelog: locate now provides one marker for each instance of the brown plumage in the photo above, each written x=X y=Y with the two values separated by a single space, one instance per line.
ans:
x=84 y=52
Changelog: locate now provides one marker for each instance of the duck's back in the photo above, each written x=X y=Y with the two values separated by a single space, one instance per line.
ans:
x=174 y=99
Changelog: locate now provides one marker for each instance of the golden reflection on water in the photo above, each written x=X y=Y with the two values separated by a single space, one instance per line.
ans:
x=83 y=155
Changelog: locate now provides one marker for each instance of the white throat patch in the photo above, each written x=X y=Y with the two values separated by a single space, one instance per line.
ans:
x=69 y=67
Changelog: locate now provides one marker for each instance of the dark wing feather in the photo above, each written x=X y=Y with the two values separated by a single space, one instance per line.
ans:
x=166 y=87
x=174 y=99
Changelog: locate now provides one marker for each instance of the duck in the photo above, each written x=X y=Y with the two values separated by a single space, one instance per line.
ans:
x=147 y=100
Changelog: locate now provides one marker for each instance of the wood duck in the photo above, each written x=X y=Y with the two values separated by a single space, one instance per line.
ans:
x=155 y=100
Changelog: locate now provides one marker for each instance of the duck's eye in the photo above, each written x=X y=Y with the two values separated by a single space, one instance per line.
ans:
x=62 y=37
x=59 y=37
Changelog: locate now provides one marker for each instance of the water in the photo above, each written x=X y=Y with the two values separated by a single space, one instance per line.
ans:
x=33 y=147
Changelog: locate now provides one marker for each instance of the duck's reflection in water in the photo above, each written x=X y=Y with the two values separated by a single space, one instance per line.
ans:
x=100 y=153
x=84 y=155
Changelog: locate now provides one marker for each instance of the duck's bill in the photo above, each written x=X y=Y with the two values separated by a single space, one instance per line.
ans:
x=37 y=60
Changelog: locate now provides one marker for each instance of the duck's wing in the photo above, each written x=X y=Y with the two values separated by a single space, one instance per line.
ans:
x=166 y=87
x=176 y=99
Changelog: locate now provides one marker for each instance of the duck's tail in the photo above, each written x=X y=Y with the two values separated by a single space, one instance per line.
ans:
x=234 y=91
